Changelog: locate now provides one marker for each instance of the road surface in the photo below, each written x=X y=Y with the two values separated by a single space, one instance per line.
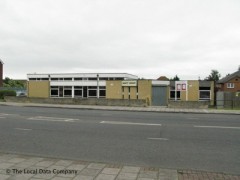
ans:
x=208 y=142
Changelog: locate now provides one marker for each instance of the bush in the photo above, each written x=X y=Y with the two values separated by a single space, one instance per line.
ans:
x=4 y=93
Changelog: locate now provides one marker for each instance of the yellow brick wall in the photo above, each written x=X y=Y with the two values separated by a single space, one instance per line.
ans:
x=183 y=95
x=114 y=89
x=145 y=90
x=133 y=92
x=126 y=92
x=38 y=89
x=193 y=90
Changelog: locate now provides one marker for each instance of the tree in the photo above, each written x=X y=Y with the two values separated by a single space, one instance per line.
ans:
x=214 y=76
x=176 y=78
x=7 y=82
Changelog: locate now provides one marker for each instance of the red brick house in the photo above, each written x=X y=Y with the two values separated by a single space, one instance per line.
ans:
x=1 y=73
x=230 y=83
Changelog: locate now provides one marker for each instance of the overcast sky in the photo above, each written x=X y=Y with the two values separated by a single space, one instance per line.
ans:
x=148 y=38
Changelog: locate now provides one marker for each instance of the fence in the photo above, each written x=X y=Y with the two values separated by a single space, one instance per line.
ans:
x=228 y=100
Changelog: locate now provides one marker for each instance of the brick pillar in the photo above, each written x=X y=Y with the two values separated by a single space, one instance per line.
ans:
x=1 y=73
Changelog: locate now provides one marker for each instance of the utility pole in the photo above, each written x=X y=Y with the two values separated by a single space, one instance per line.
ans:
x=98 y=86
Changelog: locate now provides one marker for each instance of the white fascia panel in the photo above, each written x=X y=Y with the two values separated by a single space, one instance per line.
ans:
x=77 y=83
x=37 y=75
x=160 y=83
x=83 y=75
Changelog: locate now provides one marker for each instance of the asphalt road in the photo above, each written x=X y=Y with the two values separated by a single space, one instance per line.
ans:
x=208 y=142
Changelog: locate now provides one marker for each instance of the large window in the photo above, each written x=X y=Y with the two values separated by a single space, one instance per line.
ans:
x=102 y=91
x=230 y=85
x=78 y=91
x=54 y=91
x=61 y=91
x=204 y=93
x=67 y=91
x=92 y=91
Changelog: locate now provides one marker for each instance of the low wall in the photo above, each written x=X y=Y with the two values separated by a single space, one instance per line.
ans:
x=189 y=104
x=80 y=101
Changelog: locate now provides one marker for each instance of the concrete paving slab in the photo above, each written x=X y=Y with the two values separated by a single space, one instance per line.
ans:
x=111 y=171
x=127 y=176
x=82 y=177
x=61 y=178
x=6 y=165
x=130 y=169
x=105 y=177
x=63 y=163
x=16 y=160
x=96 y=166
x=3 y=176
x=45 y=163
x=77 y=167
x=90 y=172
x=148 y=174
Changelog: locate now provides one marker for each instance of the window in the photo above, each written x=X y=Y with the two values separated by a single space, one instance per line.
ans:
x=92 y=93
x=172 y=95
x=78 y=79
x=230 y=85
x=45 y=79
x=92 y=79
x=67 y=91
x=54 y=79
x=204 y=93
x=67 y=79
x=102 y=93
x=103 y=78
x=78 y=92
x=54 y=91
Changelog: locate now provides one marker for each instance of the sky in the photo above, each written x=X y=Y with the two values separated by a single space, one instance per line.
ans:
x=147 y=38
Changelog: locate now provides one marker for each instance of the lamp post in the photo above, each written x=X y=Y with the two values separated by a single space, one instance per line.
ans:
x=98 y=86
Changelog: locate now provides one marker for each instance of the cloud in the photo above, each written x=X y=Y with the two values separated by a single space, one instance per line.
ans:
x=146 y=38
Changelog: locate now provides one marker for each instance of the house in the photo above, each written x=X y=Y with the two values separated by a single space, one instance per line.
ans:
x=230 y=83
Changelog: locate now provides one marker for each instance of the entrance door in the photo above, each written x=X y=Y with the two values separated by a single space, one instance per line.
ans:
x=159 y=96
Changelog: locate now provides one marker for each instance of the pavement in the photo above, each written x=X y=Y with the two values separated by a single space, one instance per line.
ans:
x=26 y=167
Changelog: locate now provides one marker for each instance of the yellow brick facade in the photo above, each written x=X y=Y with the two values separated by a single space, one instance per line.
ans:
x=143 y=90
x=193 y=91
x=38 y=89
x=114 y=90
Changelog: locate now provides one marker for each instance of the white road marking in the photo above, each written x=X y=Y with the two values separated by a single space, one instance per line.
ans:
x=42 y=118
x=128 y=123
x=161 y=139
x=217 y=127
x=2 y=117
x=22 y=129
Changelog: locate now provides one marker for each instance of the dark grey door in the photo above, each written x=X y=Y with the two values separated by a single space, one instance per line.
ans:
x=159 y=96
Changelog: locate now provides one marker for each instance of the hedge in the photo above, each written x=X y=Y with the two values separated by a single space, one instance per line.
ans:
x=4 y=93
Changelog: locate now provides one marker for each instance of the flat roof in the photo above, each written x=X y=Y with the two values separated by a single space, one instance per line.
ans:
x=58 y=75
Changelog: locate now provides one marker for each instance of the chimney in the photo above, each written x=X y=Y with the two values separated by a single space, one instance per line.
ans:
x=1 y=73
